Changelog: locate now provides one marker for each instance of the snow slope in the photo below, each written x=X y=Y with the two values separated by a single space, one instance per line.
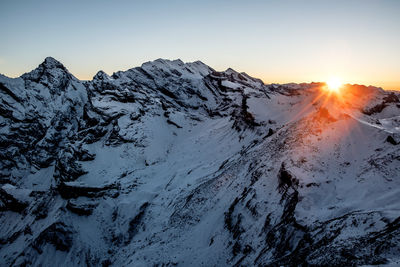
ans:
x=174 y=163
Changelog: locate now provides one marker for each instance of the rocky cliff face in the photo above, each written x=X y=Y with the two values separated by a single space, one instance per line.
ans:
x=174 y=163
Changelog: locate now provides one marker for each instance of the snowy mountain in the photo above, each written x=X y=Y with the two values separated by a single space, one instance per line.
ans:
x=174 y=163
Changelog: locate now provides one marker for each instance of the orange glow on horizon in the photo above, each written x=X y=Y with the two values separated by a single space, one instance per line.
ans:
x=334 y=85
x=329 y=119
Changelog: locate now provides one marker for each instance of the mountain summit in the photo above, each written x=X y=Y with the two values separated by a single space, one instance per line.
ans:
x=174 y=163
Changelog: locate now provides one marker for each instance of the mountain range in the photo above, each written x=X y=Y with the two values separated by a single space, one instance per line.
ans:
x=177 y=164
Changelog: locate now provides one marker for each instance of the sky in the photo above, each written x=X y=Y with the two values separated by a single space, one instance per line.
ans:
x=278 y=41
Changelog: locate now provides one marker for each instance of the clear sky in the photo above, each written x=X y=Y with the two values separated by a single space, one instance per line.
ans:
x=277 y=41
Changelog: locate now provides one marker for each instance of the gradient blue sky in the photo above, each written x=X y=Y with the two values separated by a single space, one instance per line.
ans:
x=277 y=41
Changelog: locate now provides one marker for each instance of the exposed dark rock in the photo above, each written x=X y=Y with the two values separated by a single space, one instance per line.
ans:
x=114 y=138
x=270 y=132
x=243 y=118
x=58 y=234
x=387 y=100
x=67 y=168
x=173 y=123
x=81 y=208
x=167 y=93
x=135 y=223
x=391 y=140
x=68 y=191
x=9 y=202
x=228 y=215
x=7 y=91
x=391 y=98
x=375 y=109
x=286 y=181
x=42 y=203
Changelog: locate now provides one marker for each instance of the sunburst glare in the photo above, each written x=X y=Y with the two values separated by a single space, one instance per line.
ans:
x=334 y=84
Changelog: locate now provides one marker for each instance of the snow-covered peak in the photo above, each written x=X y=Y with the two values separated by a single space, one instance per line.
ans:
x=51 y=63
x=51 y=74
x=177 y=67
x=101 y=75
x=230 y=71
x=48 y=66
x=164 y=63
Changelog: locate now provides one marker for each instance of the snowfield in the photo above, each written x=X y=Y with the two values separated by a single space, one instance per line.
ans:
x=174 y=163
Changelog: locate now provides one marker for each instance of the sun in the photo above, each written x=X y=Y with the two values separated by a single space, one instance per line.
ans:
x=334 y=84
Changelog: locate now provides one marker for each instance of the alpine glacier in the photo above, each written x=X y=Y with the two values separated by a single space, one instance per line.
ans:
x=175 y=163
